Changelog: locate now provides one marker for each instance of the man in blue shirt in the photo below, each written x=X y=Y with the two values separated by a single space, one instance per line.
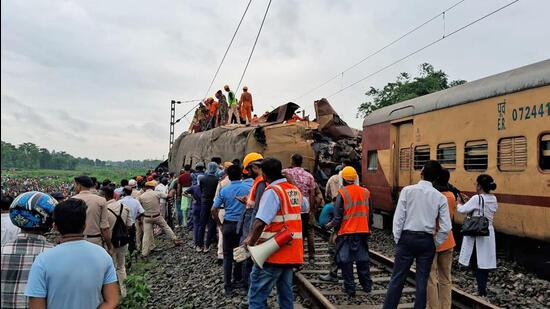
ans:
x=233 y=211
x=75 y=273
x=327 y=214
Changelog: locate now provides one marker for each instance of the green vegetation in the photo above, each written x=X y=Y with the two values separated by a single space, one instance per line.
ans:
x=136 y=286
x=405 y=88
x=30 y=156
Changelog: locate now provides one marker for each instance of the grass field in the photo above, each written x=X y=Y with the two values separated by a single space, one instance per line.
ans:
x=113 y=174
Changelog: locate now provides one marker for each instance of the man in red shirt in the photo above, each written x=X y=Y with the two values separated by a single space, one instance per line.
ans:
x=182 y=202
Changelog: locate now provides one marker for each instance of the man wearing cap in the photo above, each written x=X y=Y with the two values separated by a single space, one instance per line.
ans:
x=351 y=220
x=97 y=223
x=199 y=171
x=150 y=200
x=232 y=102
x=245 y=105
x=252 y=167
x=133 y=184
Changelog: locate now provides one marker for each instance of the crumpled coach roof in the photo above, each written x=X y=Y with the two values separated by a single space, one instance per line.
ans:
x=529 y=76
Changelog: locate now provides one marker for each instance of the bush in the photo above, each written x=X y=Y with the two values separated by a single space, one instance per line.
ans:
x=137 y=292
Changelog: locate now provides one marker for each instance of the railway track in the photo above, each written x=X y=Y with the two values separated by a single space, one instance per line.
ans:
x=321 y=294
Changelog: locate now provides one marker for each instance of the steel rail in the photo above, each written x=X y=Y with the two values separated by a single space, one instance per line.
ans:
x=460 y=299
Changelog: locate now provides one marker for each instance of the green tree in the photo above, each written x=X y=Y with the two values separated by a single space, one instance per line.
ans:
x=405 y=88
x=9 y=153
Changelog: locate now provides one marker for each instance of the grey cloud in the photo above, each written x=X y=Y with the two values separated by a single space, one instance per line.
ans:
x=84 y=76
x=24 y=114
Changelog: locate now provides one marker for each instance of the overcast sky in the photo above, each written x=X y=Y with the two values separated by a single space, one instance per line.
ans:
x=95 y=78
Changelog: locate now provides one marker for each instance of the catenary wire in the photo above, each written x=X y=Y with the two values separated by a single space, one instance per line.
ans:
x=423 y=48
x=221 y=62
x=379 y=50
x=254 y=46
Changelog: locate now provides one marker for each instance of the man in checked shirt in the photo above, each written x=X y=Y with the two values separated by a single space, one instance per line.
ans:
x=19 y=254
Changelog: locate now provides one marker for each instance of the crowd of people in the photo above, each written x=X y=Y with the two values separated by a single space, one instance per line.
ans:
x=222 y=110
x=13 y=186
x=233 y=207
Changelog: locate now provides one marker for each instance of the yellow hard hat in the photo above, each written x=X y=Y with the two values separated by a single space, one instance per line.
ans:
x=249 y=158
x=349 y=173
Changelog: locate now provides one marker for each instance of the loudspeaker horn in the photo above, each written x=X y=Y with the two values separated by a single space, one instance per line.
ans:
x=263 y=251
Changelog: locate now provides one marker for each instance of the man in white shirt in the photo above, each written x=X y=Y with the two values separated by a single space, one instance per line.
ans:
x=136 y=211
x=9 y=230
x=414 y=227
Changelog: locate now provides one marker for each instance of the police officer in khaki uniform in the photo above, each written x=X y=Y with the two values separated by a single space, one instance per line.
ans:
x=150 y=200
x=97 y=223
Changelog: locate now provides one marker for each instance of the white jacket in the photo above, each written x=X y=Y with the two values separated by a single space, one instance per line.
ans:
x=485 y=245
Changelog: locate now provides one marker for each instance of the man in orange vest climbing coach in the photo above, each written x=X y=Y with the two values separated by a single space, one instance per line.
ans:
x=352 y=221
x=278 y=213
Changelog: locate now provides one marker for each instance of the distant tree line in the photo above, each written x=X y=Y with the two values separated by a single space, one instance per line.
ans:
x=30 y=156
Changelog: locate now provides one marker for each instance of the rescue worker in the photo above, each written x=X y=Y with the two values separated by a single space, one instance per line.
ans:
x=232 y=102
x=252 y=168
x=245 y=105
x=150 y=200
x=222 y=108
x=279 y=209
x=351 y=219
x=97 y=223
x=212 y=112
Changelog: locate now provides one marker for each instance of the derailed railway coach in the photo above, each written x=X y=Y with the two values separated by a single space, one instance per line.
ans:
x=499 y=125
x=323 y=142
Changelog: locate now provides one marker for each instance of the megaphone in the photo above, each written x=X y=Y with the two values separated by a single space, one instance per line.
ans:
x=263 y=251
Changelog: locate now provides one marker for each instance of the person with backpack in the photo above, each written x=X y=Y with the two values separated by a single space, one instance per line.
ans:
x=120 y=222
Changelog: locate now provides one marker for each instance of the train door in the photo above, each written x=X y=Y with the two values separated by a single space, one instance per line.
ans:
x=403 y=154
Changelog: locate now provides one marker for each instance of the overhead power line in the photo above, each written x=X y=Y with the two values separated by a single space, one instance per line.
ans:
x=227 y=50
x=424 y=47
x=379 y=50
x=221 y=62
x=254 y=46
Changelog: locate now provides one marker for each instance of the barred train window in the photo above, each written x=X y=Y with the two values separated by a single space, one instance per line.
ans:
x=372 y=163
x=446 y=155
x=544 y=156
x=512 y=154
x=421 y=156
x=405 y=159
x=475 y=155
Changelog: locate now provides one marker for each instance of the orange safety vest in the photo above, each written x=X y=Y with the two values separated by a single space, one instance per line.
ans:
x=449 y=243
x=252 y=195
x=288 y=215
x=356 y=210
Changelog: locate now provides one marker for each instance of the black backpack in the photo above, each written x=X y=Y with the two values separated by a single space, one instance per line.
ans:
x=119 y=237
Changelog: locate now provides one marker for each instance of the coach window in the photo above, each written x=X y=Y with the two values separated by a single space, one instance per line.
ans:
x=372 y=163
x=512 y=154
x=421 y=156
x=405 y=159
x=446 y=155
x=544 y=161
x=475 y=155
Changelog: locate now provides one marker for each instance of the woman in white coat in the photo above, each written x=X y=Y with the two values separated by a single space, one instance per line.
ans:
x=483 y=246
